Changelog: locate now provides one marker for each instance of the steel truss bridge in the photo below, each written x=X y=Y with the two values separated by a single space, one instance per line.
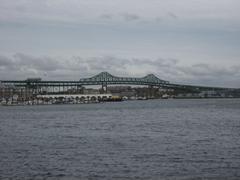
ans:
x=103 y=79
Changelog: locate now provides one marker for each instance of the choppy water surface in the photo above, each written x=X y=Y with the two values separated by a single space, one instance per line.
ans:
x=155 y=139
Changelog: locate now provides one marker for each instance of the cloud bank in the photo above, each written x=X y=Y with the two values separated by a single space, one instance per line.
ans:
x=187 y=41
x=77 y=10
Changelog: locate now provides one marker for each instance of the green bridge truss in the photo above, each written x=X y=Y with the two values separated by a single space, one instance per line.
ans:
x=106 y=78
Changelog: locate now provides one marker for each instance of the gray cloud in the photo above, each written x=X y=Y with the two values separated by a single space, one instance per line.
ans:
x=106 y=16
x=66 y=8
x=131 y=17
x=158 y=19
x=37 y=63
x=172 y=15
x=21 y=66
x=5 y=61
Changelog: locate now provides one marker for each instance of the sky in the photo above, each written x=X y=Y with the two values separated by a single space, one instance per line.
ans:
x=193 y=42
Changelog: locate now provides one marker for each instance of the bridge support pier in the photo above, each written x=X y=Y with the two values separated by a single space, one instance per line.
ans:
x=104 y=88
x=150 y=91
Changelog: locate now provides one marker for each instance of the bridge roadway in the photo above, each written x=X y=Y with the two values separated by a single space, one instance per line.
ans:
x=104 y=79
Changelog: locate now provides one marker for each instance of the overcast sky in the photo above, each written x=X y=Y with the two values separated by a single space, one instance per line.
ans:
x=187 y=41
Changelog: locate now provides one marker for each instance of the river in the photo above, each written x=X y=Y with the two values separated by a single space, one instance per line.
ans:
x=152 y=139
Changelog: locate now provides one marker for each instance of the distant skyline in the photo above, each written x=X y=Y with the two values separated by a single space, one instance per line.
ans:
x=189 y=41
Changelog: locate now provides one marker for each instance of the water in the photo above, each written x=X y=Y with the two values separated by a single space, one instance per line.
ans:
x=154 y=139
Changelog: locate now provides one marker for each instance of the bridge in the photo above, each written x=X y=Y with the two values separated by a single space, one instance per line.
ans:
x=104 y=79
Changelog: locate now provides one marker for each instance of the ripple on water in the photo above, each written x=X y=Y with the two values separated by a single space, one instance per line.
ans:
x=175 y=139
